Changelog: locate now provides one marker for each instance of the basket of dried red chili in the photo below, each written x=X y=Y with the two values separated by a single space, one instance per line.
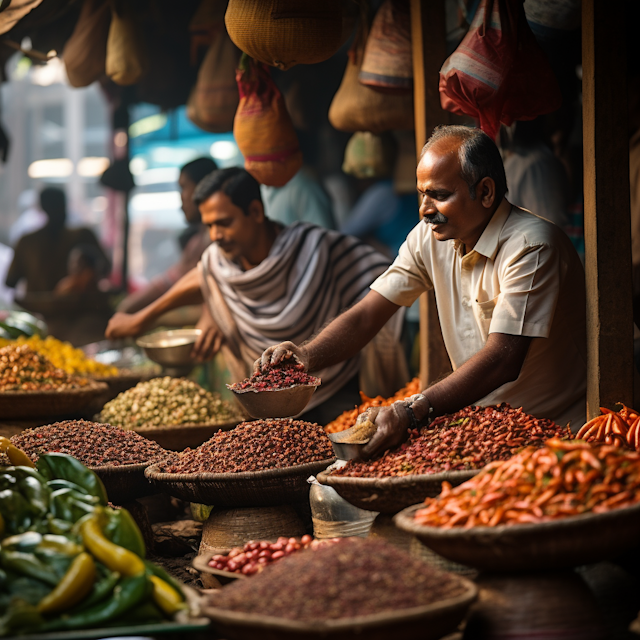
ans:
x=563 y=505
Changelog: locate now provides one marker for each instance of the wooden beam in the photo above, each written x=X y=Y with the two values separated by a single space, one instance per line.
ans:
x=607 y=228
x=428 y=38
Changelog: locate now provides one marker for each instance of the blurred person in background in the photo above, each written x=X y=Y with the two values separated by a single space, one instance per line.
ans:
x=41 y=258
x=30 y=219
x=193 y=240
x=85 y=270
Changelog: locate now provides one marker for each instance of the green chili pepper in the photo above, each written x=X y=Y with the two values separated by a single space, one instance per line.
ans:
x=28 y=589
x=28 y=565
x=36 y=493
x=147 y=612
x=60 y=544
x=122 y=530
x=20 y=616
x=63 y=467
x=20 y=472
x=59 y=483
x=101 y=589
x=58 y=526
x=68 y=504
x=126 y=595
x=25 y=542
x=155 y=570
x=15 y=510
x=7 y=481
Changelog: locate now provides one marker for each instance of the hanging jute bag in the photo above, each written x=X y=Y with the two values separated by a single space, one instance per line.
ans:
x=369 y=155
x=126 y=56
x=388 y=64
x=214 y=100
x=356 y=107
x=283 y=33
x=262 y=127
x=85 y=52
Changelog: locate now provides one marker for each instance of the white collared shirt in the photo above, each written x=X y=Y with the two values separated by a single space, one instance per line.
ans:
x=523 y=277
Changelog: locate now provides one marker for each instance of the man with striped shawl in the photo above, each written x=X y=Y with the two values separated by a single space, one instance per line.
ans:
x=264 y=283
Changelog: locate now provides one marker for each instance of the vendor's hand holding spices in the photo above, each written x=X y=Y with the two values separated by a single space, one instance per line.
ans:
x=559 y=480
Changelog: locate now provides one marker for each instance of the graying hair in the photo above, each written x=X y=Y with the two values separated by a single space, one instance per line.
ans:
x=478 y=154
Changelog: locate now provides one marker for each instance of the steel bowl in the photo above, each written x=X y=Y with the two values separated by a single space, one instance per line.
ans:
x=279 y=403
x=171 y=349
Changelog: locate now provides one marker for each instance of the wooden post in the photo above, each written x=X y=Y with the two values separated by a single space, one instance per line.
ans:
x=607 y=228
x=429 y=52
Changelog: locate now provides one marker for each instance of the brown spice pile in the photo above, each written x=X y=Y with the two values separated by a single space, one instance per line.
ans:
x=92 y=443
x=255 y=446
x=353 y=577
x=23 y=369
x=274 y=378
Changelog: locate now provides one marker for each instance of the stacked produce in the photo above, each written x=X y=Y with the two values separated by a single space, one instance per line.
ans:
x=467 y=439
x=275 y=378
x=559 y=480
x=255 y=446
x=347 y=419
x=63 y=355
x=256 y=555
x=92 y=443
x=350 y=578
x=67 y=560
x=166 y=401
x=617 y=428
x=22 y=369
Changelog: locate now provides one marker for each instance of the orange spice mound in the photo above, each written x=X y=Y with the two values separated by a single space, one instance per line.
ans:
x=348 y=418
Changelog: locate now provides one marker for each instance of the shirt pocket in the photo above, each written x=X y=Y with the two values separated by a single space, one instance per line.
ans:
x=483 y=312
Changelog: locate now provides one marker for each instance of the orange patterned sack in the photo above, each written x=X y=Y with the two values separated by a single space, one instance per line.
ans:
x=262 y=127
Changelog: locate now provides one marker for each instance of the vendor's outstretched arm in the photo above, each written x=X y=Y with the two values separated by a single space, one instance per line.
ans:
x=498 y=362
x=185 y=291
x=341 y=339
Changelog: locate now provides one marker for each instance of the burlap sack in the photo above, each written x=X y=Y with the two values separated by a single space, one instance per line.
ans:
x=126 y=57
x=283 y=33
x=85 y=52
x=262 y=127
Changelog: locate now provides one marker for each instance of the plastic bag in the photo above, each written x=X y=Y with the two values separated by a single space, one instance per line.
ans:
x=499 y=73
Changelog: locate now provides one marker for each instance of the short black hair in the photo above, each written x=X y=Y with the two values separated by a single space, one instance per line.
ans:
x=241 y=187
x=198 y=169
x=479 y=156
x=53 y=200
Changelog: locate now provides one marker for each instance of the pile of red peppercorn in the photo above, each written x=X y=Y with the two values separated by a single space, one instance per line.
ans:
x=275 y=378
x=255 y=446
x=256 y=555
x=92 y=443
x=353 y=577
x=467 y=439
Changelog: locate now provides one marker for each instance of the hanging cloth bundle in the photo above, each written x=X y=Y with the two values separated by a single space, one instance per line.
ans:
x=126 y=56
x=262 y=127
x=499 y=73
x=388 y=63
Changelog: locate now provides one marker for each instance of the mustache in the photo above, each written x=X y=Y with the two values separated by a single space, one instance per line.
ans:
x=436 y=218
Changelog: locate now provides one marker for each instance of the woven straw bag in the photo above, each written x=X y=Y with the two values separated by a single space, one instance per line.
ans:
x=214 y=99
x=263 y=129
x=283 y=33
x=388 y=64
x=369 y=155
x=126 y=56
x=85 y=52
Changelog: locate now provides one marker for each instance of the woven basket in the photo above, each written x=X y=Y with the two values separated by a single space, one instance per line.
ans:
x=420 y=623
x=247 y=489
x=553 y=545
x=40 y=404
x=390 y=495
x=201 y=563
x=179 y=437
x=119 y=383
x=126 y=482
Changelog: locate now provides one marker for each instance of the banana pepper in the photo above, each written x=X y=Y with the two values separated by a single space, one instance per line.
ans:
x=75 y=585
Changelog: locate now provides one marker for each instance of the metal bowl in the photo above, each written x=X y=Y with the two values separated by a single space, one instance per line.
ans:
x=279 y=403
x=170 y=348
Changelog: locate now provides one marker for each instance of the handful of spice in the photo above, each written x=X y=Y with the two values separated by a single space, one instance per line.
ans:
x=256 y=555
x=166 y=401
x=92 y=443
x=275 y=378
x=22 y=369
x=538 y=485
x=467 y=439
x=255 y=446
x=350 y=578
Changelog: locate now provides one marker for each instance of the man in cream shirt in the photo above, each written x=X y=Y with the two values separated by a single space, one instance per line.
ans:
x=509 y=288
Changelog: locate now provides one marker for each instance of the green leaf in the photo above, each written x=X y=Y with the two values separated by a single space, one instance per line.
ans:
x=61 y=466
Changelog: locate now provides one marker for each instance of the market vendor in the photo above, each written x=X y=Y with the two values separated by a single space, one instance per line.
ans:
x=263 y=282
x=509 y=288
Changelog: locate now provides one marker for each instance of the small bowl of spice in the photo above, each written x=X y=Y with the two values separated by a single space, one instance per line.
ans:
x=277 y=392
x=348 y=444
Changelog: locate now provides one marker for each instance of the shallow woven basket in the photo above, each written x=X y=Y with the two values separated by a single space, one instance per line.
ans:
x=559 y=544
x=246 y=489
x=179 y=437
x=39 y=404
x=390 y=495
x=124 y=483
x=420 y=623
